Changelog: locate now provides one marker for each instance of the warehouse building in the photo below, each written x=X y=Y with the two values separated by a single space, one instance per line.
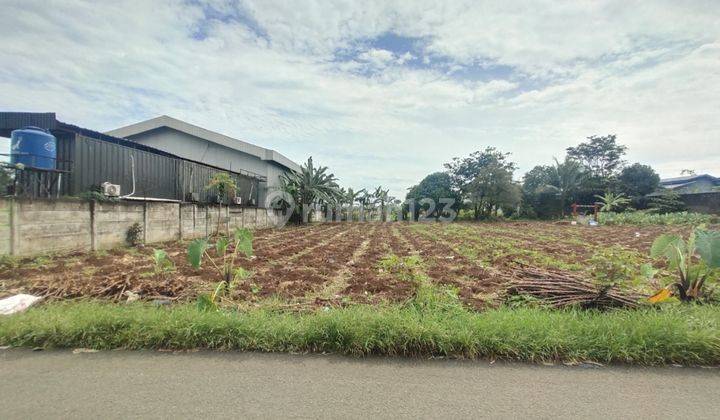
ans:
x=162 y=158
x=196 y=143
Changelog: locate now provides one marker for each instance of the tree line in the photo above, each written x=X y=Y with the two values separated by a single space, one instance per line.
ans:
x=592 y=172
x=314 y=188
x=482 y=186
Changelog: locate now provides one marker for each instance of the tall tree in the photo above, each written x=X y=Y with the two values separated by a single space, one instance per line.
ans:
x=564 y=179
x=435 y=186
x=537 y=200
x=638 y=180
x=601 y=155
x=482 y=178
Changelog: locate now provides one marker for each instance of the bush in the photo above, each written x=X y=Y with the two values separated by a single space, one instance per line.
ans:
x=134 y=234
x=668 y=202
x=642 y=218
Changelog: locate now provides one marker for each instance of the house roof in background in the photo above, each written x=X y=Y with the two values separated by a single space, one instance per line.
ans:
x=687 y=179
x=205 y=134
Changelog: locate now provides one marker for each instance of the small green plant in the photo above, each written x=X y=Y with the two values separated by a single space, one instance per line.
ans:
x=9 y=261
x=228 y=249
x=695 y=260
x=41 y=261
x=133 y=236
x=404 y=268
x=163 y=263
x=95 y=193
x=615 y=266
x=209 y=301
x=255 y=288
x=225 y=185
x=524 y=301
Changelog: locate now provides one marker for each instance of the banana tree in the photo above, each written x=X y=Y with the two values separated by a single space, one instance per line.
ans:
x=350 y=198
x=695 y=261
x=311 y=185
x=611 y=201
x=366 y=201
x=382 y=196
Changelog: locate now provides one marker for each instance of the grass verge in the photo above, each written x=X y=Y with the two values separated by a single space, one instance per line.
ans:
x=687 y=335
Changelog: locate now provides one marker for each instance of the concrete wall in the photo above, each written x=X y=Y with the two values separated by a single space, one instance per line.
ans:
x=5 y=217
x=703 y=202
x=29 y=227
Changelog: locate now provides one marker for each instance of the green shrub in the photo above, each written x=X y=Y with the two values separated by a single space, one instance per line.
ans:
x=668 y=202
x=133 y=236
x=616 y=266
x=642 y=218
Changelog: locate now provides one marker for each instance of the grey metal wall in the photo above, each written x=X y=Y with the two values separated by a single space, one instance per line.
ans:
x=198 y=149
x=156 y=176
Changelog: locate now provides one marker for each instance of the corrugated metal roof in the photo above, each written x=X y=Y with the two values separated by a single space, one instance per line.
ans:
x=212 y=136
x=688 y=178
x=13 y=120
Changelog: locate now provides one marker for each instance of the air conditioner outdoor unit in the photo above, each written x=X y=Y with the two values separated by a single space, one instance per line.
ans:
x=237 y=200
x=110 y=190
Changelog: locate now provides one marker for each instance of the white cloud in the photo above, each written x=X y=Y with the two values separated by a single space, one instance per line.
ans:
x=377 y=57
x=647 y=72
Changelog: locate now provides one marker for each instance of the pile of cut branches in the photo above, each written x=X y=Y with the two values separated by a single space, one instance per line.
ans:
x=560 y=289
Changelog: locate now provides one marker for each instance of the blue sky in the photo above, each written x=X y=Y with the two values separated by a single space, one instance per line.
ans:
x=382 y=92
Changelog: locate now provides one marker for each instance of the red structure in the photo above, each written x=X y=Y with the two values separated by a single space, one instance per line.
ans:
x=595 y=207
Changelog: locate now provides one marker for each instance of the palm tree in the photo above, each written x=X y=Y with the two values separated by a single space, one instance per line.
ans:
x=309 y=186
x=564 y=179
x=610 y=201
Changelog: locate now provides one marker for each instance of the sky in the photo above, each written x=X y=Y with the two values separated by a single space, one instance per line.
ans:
x=382 y=92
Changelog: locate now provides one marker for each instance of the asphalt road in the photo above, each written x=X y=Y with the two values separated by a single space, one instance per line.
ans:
x=119 y=384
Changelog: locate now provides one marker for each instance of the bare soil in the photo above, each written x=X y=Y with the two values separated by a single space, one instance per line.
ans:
x=333 y=264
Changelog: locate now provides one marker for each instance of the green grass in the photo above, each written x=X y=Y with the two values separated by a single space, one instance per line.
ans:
x=431 y=325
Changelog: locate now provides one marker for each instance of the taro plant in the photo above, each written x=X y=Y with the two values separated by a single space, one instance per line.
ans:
x=228 y=250
x=163 y=263
x=695 y=261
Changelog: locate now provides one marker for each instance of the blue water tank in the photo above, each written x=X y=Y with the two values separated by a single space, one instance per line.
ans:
x=34 y=147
